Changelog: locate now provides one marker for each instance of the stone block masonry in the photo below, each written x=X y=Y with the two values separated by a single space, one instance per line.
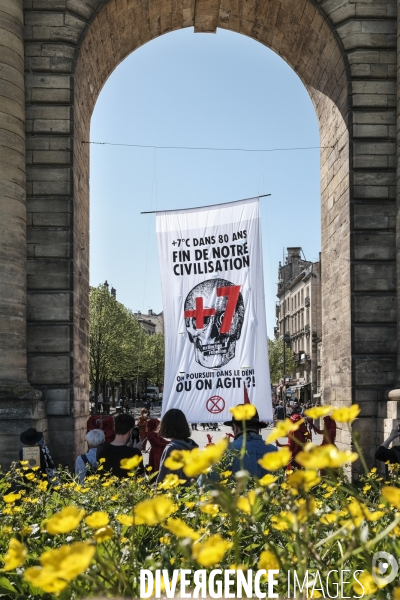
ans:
x=345 y=53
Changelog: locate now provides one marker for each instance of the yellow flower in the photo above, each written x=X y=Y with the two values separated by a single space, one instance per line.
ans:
x=176 y=460
x=329 y=518
x=97 y=519
x=392 y=495
x=64 y=521
x=127 y=520
x=210 y=509
x=171 y=481
x=360 y=511
x=303 y=480
x=15 y=556
x=45 y=579
x=115 y=497
x=26 y=531
x=180 y=529
x=366 y=488
x=246 y=503
x=243 y=412
x=272 y=461
x=318 y=411
x=154 y=511
x=164 y=540
x=131 y=463
x=102 y=460
x=324 y=457
x=267 y=480
x=226 y=473
x=103 y=534
x=285 y=520
x=346 y=415
x=190 y=504
x=9 y=498
x=396 y=593
x=198 y=461
x=60 y=566
x=367 y=582
x=268 y=561
x=23 y=462
x=43 y=485
x=306 y=507
x=211 y=551
x=282 y=429
x=30 y=476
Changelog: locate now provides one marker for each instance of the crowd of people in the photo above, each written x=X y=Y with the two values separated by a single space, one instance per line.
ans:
x=174 y=433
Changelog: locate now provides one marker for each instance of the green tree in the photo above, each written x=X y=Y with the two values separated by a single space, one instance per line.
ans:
x=113 y=339
x=119 y=348
x=153 y=359
x=275 y=353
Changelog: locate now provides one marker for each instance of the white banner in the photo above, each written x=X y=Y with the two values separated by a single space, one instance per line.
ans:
x=216 y=348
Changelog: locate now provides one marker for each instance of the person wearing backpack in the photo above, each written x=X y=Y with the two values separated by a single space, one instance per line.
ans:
x=175 y=427
x=87 y=462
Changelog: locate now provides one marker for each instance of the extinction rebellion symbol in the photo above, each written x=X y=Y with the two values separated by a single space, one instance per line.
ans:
x=215 y=405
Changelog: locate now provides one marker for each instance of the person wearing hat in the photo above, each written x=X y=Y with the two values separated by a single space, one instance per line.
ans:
x=255 y=445
x=32 y=438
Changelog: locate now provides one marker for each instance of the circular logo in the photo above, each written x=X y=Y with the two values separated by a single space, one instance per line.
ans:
x=215 y=405
x=380 y=567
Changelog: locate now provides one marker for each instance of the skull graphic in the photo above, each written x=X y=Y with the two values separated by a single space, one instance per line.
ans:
x=214 y=313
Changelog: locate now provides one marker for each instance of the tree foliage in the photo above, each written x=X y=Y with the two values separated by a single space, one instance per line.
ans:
x=275 y=353
x=119 y=347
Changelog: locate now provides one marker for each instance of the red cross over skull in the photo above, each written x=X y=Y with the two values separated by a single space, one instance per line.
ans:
x=214 y=313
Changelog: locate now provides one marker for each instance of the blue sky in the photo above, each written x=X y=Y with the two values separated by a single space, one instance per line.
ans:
x=182 y=89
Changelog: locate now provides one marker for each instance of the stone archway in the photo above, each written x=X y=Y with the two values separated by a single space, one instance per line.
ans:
x=305 y=41
x=345 y=53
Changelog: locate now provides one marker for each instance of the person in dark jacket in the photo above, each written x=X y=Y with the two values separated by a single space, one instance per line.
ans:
x=120 y=448
x=280 y=412
x=255 y=445
x=33 y=439
x=175 y=427
x=384 y=453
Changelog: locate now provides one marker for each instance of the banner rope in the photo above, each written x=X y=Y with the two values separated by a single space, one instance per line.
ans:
x=207 y=148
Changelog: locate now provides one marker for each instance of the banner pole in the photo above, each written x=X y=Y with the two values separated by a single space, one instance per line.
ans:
x=151 y=212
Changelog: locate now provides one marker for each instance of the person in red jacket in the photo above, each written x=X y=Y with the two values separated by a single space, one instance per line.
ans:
x=329 y=431
x=296 y=440
x=157 y=444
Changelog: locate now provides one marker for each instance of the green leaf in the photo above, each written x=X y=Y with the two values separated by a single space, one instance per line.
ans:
x=6 y=587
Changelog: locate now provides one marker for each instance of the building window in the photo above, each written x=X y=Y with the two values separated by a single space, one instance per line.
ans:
x=302 y=297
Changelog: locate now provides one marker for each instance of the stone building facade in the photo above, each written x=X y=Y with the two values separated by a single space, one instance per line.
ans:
x=55 y=56
x=152 y=322
x=299 y=317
